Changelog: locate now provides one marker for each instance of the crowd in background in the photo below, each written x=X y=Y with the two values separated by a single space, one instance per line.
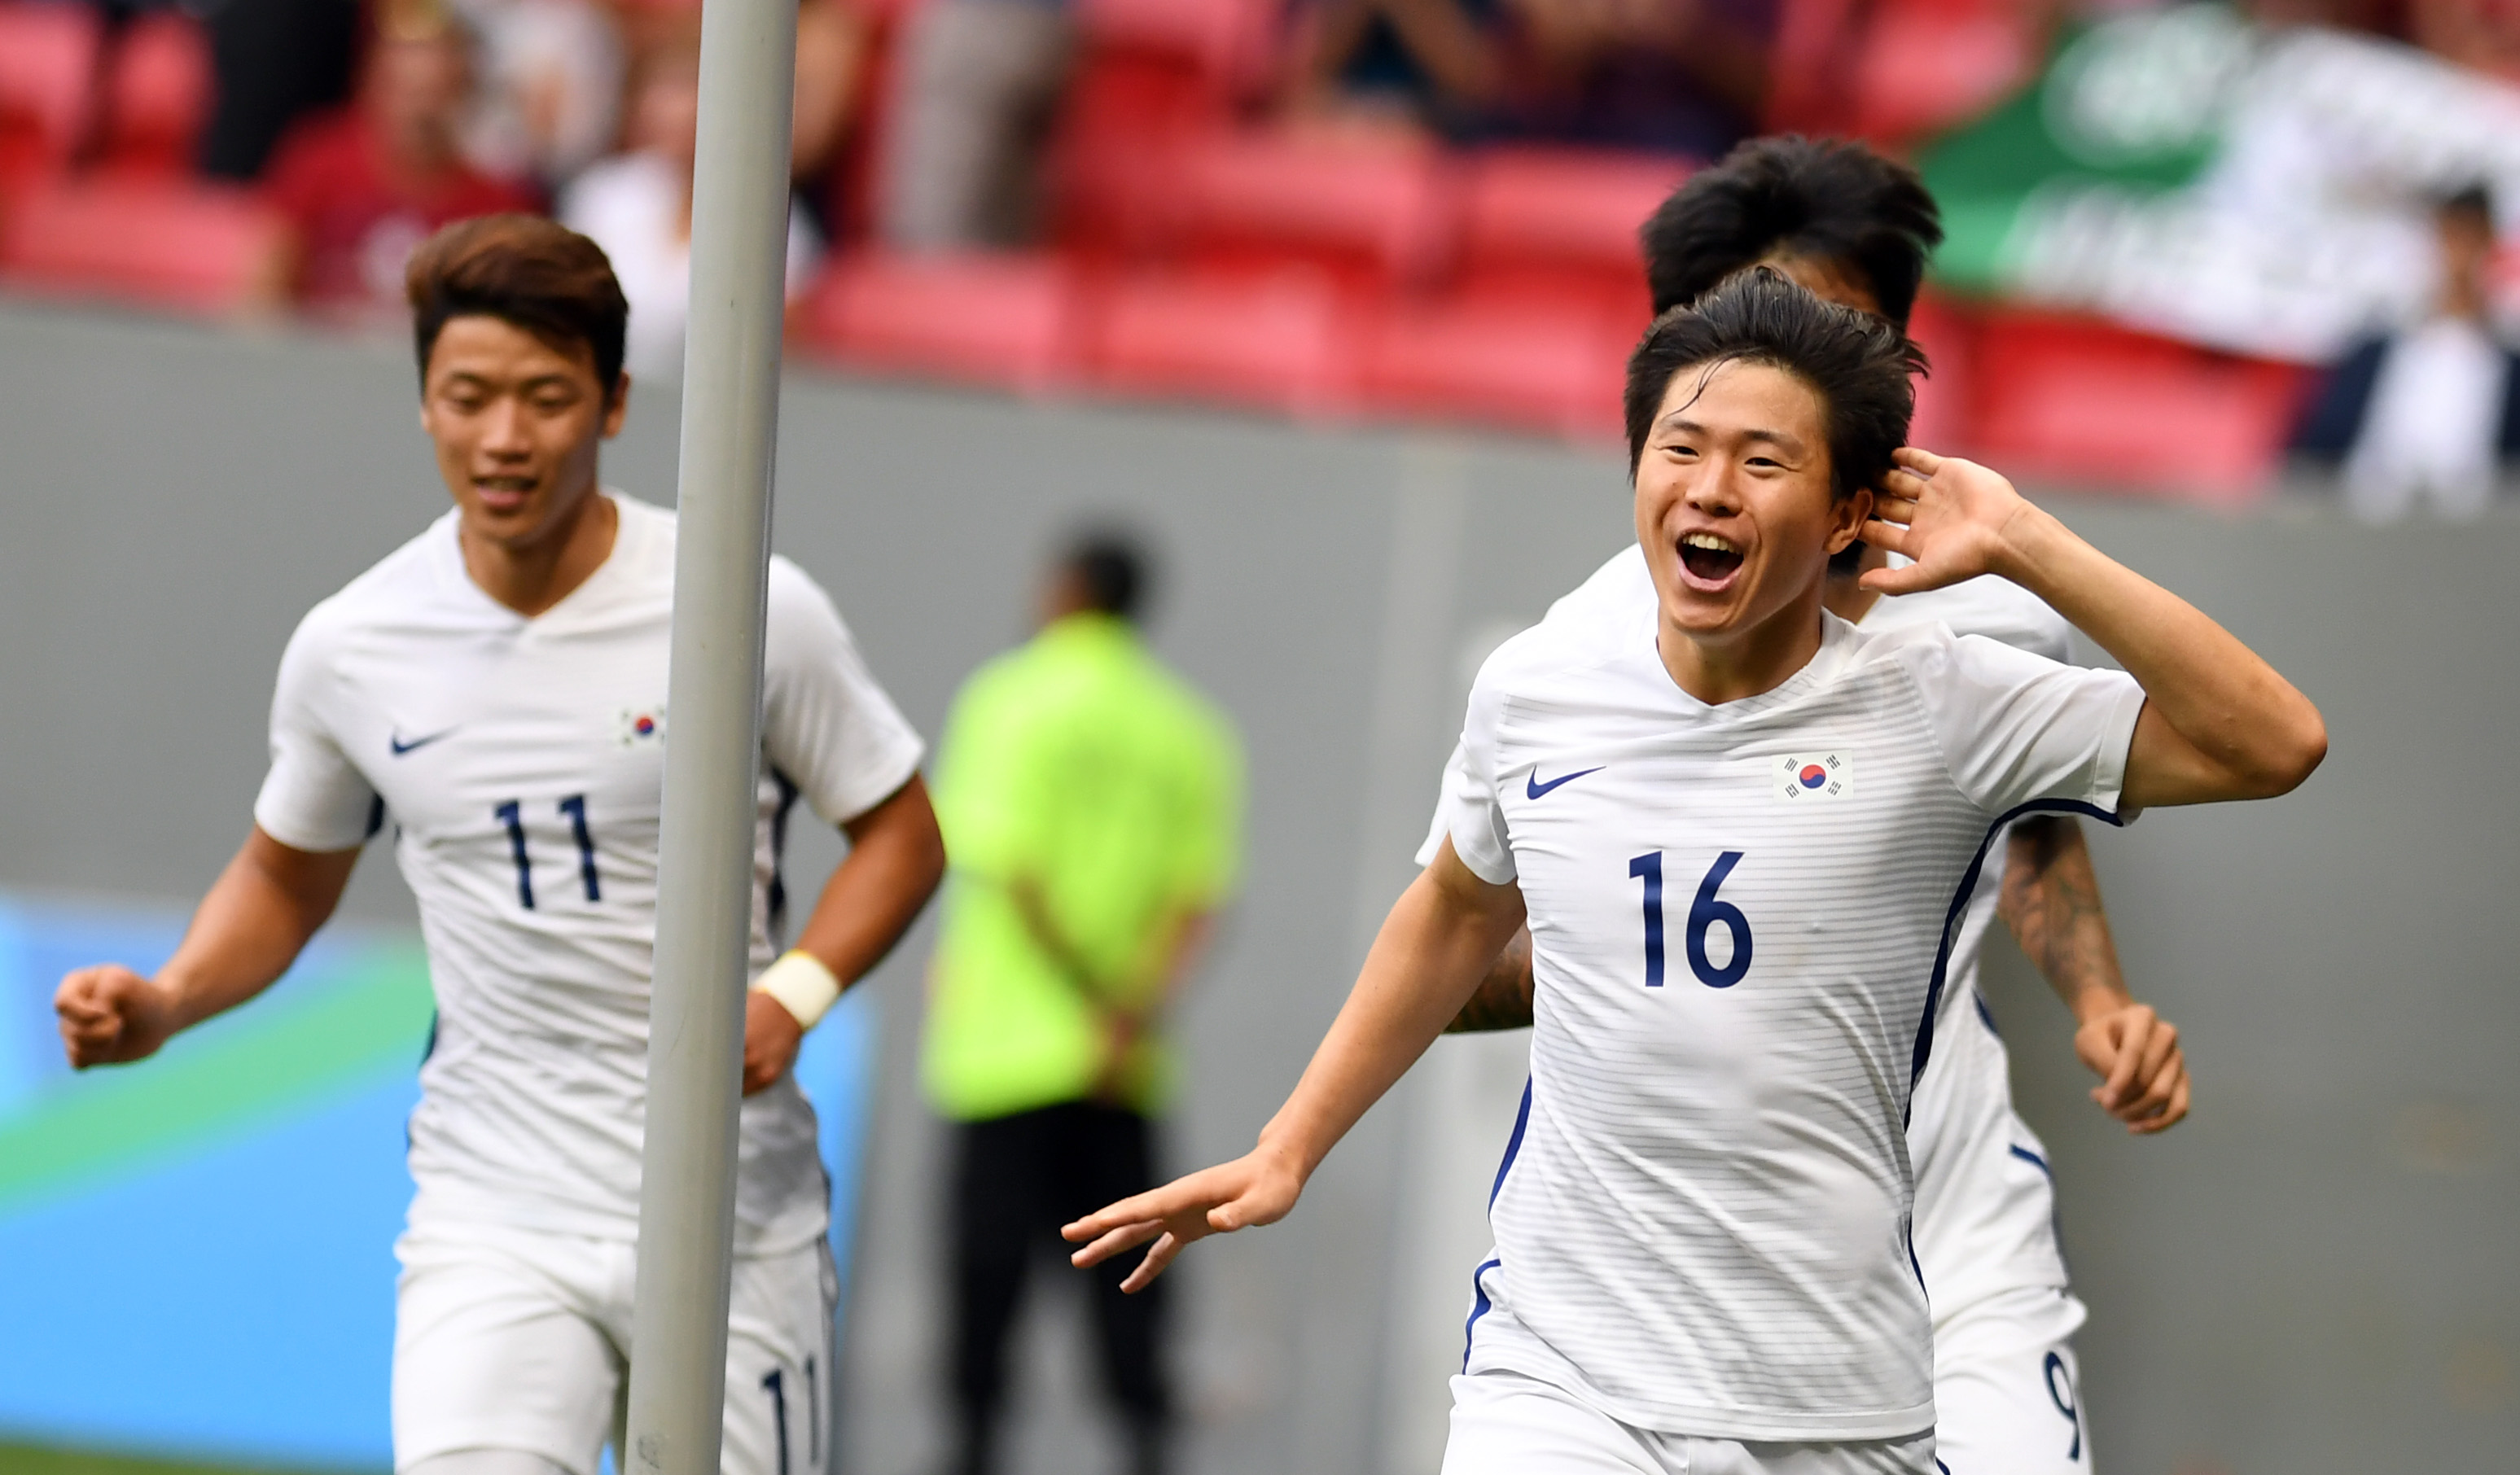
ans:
x=2257 y=179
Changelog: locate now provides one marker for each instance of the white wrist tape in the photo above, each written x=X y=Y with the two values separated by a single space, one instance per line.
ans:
x=800 y=982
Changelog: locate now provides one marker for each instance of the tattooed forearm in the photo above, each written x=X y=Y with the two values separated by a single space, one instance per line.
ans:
x=1503 y=996
x=2052 y=902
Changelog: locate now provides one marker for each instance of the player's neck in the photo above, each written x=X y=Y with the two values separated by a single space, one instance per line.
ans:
x=1745 y=662
x=1848 y=599
x=530 y=578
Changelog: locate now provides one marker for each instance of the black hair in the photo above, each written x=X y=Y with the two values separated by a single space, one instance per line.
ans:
x=1110 y=569
x=1826 y=198
x=526 y=270
x=2475 y=200
x=1858 y=364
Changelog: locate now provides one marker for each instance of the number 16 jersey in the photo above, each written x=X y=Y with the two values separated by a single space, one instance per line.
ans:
x=521 y=763
x=1741 y=917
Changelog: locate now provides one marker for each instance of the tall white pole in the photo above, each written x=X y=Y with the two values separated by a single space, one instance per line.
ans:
x=713 y=737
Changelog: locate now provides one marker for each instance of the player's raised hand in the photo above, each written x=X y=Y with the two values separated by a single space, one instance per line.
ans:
x=110 y=1015
x=1947 y=515
x=1258 y=1187
x=2142 y=1071
x=771 y=1039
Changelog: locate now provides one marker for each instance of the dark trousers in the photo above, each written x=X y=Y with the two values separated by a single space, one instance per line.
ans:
x=1017 y=1180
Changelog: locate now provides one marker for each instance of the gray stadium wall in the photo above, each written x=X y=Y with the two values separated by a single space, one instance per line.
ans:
x=2315 y=1273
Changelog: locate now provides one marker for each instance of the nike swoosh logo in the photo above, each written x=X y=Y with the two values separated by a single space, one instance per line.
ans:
x=1533 y=789
x=394 y=740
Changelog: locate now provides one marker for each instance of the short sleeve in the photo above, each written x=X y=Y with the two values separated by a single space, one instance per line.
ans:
x=1470 y=813
x=313 y=798
x=2017 y=729
x=1435 y=830
x=826 y=724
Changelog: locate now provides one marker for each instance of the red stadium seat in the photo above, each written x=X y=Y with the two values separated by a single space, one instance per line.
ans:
x=189 y=247
x=1515 y=364
x=1925 y=65
x=1225 y=41
x=2087 y=402
x=48 y=49
x=1005 y=321
x=1560 y=225
x=1370 y=211
x=1943 y=397
x=1287 y=342
x=157 y=93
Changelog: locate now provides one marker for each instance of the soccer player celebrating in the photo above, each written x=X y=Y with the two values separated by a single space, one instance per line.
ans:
x=1741 y=832
x=1854 y=228
x=496 y=687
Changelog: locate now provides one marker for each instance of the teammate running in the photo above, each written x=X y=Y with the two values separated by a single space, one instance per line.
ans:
x=495 y=690
x=1854 y=228
x=1743 y=833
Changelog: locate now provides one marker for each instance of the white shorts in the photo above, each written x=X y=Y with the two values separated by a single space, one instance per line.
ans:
x=2006 y=1396
x=507 y=1339
x=1506 y=1424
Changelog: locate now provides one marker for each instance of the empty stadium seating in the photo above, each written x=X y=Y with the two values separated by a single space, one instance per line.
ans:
x=1288 y=342
x=183 y=246
x=157 y=93
x=2083 y=401
x=48 y=59
x=1011 y=322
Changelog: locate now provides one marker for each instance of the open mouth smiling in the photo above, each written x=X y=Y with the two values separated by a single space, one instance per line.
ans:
x=1709 y=559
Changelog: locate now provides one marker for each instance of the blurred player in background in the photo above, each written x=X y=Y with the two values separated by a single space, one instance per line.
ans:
x=1854 y=228
x=1092 y=801
x=1702 y=1257
x=495 y=690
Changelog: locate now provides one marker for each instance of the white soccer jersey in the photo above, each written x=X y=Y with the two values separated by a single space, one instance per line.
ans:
x=1985 y=1209
x=521 y=764
x=1741 y=915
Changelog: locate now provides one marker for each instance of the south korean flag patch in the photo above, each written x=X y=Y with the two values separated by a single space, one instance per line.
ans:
x=1813 y=777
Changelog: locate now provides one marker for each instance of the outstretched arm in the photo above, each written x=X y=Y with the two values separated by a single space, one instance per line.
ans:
x=246 y=933
x=1434 y=948
x=896 y=857
x=2217 y=722
x=2052 y=902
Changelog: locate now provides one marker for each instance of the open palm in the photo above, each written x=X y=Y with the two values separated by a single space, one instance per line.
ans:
x=1947 y=515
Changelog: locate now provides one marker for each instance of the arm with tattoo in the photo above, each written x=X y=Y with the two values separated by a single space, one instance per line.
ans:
x=2052 y=902
x=1504 y=997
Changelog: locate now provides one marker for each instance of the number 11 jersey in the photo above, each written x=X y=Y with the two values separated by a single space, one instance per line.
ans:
x=1740 y=919
x=521 y=763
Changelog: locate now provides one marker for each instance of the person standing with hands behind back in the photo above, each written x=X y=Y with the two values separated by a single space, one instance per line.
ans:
x=1091 y=803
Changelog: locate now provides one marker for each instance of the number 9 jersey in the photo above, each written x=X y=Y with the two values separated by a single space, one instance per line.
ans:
x=521 y=763
x=1742 y=916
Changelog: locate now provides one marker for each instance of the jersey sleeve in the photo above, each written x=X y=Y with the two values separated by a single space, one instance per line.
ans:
x=1435 y=830
x=313 y=798
x=2017 y=729
x=826 y=724
x=1470 y=813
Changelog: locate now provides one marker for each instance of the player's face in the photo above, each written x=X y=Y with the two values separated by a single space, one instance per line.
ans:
x=518 y=425
x=1734 y=504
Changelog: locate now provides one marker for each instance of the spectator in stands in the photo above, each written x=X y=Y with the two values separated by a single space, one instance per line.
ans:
x=364 y=185
x=1676 y=77
x=552 y=76
x=2432 y=408
x=274 y=62
x=638 y=206
x=1091 y=803
x=980 y=82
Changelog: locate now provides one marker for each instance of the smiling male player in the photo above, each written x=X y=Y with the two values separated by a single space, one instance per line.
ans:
x=1702 y=1260
x=1855 y=228
x=496 y=687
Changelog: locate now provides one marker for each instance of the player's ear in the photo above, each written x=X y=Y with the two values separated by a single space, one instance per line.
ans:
x=619 y=409
x=1847 y=516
